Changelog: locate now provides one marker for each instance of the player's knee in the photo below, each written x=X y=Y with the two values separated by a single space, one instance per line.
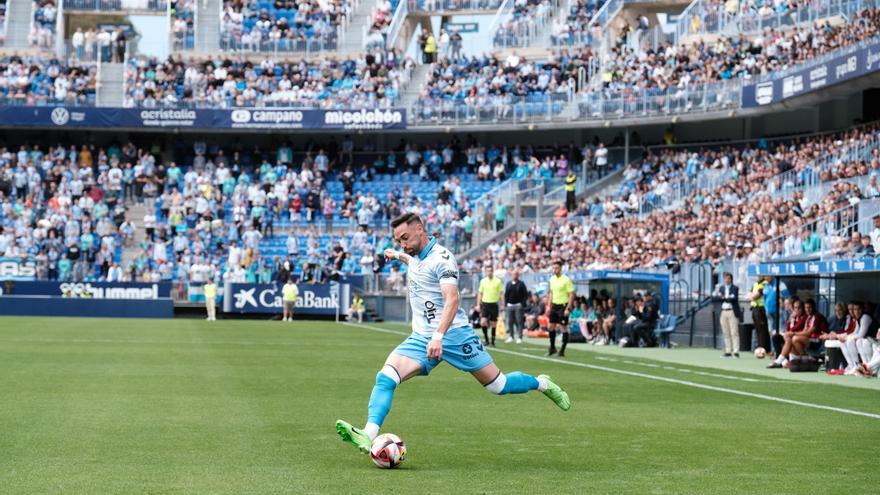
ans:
x=387 y=377
x=496 y=386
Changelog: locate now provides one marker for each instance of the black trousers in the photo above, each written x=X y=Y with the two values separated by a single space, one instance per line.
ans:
x=759 y=316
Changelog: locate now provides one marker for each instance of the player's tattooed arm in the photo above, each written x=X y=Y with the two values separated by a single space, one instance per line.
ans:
x=397 y=255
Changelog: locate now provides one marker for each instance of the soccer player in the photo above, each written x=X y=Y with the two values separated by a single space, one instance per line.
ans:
x=488 y=297
x=559 y=304
x=289 y=295
x=440 y=333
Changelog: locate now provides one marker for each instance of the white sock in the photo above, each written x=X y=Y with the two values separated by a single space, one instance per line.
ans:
x=780 y=359
x=542 y=384
x=372 y=429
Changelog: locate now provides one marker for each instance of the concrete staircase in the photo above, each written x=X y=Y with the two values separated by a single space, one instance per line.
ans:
x=111 y=84
x=415 y=85
x=353 y=41
x=208 y=26
x=19 y=14
x=136 y=216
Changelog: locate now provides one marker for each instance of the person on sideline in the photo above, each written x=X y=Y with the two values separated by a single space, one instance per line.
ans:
x=794 y=326
x=727 y=294
x=210 y=290
x=489 y=300
x=560 y=301
x=759 y=314
x=289 y=295
x=356 y=309
x=516 y=296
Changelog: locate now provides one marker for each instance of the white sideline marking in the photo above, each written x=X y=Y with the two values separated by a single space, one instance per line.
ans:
x=660 y=378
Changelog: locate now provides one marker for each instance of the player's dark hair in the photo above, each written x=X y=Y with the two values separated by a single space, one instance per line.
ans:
x=407 y=218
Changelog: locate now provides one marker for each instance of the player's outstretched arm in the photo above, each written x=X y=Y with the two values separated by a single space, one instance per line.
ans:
x=397 y=255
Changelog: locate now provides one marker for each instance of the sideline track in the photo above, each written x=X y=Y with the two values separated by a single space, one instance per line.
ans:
x=654 y=377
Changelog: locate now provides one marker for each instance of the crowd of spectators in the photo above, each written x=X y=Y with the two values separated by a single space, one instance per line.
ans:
x=370 y=80
x=183 y=18
x=42 y=34
x=272 y=209
x=706 y=61
x=104 y=44
x=282 y=25
x=743 y=218
x=527 y=17
x=380 y=23
x=40 y=81
x=575 y=28
x=63 y=208
x=489 y=83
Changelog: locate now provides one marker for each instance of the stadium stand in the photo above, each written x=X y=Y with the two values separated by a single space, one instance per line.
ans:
x=39 y=81
x=63 y=207
x=282 y=26
x=368 y=81
x=744 y=214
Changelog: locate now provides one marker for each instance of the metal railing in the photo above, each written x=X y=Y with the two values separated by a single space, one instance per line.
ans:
x=523 y=31
x=283 y=45
x=441 y=5
x=718 y=17
x=396 y=24
x=814 y=61
x=4 y=26
x=830 y=229
x=674 y=100
x=332 y=38
x=116 y=5
x=504 y=12
x=799 y=180
x=539 y=108
x=90 y=51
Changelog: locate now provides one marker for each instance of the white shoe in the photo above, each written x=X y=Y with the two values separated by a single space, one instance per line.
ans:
x=519 y=341
x=851 y=371
x=508 y=340
x=208 y=318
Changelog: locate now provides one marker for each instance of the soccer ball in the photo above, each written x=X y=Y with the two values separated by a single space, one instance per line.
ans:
x=760 y=353
x=388 y=451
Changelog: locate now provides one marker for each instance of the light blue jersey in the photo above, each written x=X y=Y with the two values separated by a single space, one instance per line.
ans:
x=433 y=267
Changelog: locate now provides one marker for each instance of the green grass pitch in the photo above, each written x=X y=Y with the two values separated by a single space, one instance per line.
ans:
x=98 y=406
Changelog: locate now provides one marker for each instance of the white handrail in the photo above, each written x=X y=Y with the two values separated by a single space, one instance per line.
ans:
x=396 y=23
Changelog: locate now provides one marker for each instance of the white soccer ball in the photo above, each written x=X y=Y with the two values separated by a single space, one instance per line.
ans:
x=760 y=353
x=388 y=451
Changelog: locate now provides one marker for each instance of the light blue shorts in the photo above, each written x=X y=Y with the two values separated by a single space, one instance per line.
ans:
x=462 y=348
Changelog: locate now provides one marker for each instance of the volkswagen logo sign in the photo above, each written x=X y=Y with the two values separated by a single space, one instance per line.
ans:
x=241 y=116
x=60 y=116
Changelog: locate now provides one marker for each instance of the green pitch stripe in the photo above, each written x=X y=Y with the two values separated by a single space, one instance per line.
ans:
x=659 y=378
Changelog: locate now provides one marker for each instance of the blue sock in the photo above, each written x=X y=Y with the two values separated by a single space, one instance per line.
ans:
x=514 y=383
x=519 y=383
x=381 y=398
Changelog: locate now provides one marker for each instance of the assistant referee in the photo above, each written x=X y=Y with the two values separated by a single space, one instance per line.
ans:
x=488 y=297
x=559 y=305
